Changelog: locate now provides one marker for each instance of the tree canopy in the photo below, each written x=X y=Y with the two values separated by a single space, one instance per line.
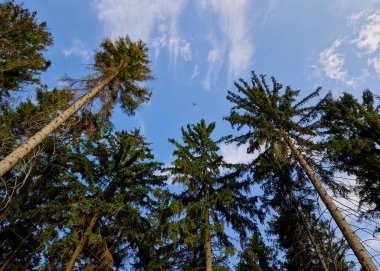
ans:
x=22 y=42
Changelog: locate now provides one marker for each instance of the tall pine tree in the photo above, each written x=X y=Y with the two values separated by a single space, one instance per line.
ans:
x=352 y=143
x=272 y=118
x=22 y=43
x=214 y=196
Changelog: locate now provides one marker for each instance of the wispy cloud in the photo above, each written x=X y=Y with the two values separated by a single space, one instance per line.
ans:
x=158 y=24
x=332 y=62
x=77 y=49
x=367 y=28
x=154 y=22
x=333 y=66
x=215 y=64
x=195 y=71
x=235 y=44
x=375 y=62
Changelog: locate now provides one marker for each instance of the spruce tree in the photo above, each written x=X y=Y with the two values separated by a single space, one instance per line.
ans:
x=257 y=255
x=270 y=118
x=120 y=67
x=117 y=178
x=38 y=207
x=22 y=43
x=352 y=143
x=214 y=196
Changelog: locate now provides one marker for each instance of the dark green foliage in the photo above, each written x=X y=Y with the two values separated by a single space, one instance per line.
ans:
x=118 y=177
x=198 y=168
x=38 y=208
x=353 y=142
x=130 y=61
x=258 y=256
x=299 y=251
x=22 y=41
x=267 y=117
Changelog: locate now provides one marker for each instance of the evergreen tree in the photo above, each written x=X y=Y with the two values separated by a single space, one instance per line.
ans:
x=353 y=143
x=120 y=67
x=257 y=256
x=43 y=191
x=300 y=253
x=117 y=178
x=272 y=119
x=287 y=195
x=211 y=199
x=22 y=42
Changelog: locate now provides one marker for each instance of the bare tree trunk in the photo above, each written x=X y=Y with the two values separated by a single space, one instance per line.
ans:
x=208 y=248
x=11 y=257
x=13 y=158
x=353 y=241
x=9 y=207
x=82 y=242
x=309 y=234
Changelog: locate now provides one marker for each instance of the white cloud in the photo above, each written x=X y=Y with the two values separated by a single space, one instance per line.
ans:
x=368 y=33
x=235 y=44
x=375 y=62
x=177 y=46
x=195 y=72
x=154 y=22
x=333 y=62
x=215 y=64
x=77 y=49
x=157 y=24
x=236 y=154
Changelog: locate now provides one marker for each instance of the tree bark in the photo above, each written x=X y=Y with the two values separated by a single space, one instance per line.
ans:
x=353 y=241
x=208 y=248
x=308 y=232
x=13 y=158
x=14 y=253
x=82 y=242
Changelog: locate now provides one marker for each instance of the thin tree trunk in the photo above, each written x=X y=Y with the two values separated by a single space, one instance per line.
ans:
x=13 y=158
x=208 y=241
x=311 y=237
x=82 y=242
x=9 y=207
x=11 y=257
x=353 y=241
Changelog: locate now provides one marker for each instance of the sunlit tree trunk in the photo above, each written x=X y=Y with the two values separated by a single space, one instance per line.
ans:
x=208 y=248
x=353 y=241
x=82 y=242
x=13 y=158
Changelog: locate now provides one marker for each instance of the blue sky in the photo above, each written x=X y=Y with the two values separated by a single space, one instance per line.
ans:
x=199 y=47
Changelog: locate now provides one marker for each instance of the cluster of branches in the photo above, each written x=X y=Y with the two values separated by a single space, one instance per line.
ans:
x=78 y=195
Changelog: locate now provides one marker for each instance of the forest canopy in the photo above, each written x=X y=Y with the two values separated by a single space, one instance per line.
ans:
x=78 y=194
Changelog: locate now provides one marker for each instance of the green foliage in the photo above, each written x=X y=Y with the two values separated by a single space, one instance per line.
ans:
x=212 y=188
x=129 y=60
x=352 y=143
x=267 y=117
x=117 y=176
x=22 y=41
x=257 y=256
x=299 y=252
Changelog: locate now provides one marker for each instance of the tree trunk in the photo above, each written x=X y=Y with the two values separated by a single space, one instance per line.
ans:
x=208 y=241
x=353 y=241
x=14 y=253
x=13 y=158
x=9 y=207
x=82 y=242
x=311 y=237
